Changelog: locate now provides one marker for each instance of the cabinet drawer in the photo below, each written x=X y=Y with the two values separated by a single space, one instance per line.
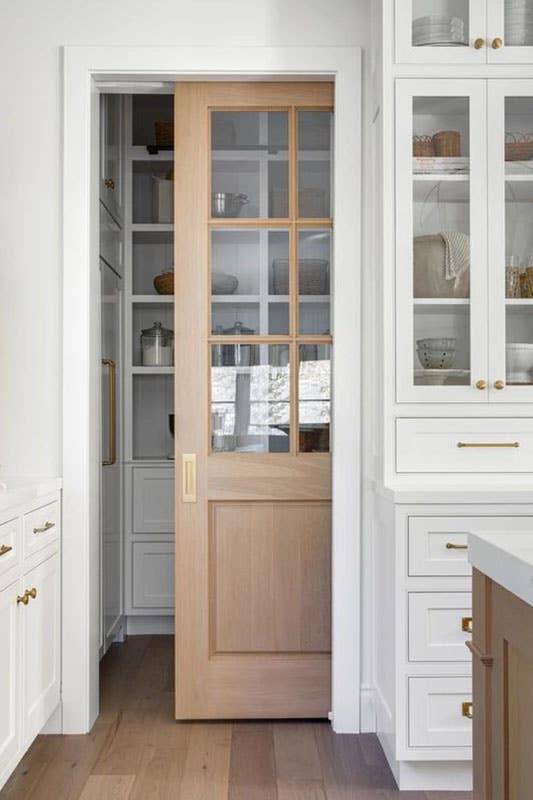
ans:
x=153 y=500
x=435 y=626
x=153 y=575
x=110 y=240
x=438 y=546
x=41 y=528
x=438 y=445
x=10 y=545
x=435 y=712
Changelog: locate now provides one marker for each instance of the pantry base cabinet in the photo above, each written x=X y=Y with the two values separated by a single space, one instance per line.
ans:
x=30 y=678
x=424 y=619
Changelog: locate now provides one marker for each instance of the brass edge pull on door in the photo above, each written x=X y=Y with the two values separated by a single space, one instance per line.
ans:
x=188 y=464
x=453 y=546
x=46 y=527
x=479 y=43
x=466 y=710
x=466 y=624
x=4 y=549
x=488 y=444
x=497 y=43
x=112 y=400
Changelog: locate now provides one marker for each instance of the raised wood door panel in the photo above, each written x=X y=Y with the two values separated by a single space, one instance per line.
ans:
x=253 y=529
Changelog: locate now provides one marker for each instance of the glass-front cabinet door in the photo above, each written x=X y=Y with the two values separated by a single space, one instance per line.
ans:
x=510 y=125
x=441 y=256
x=510 y=31
x=441 y=31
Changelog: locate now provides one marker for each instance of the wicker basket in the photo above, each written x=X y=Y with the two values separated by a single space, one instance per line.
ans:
x=313 y=276
x=423 y=146
x=164 y=133
x=164 y=283
x=519 y=147
x=447 y=144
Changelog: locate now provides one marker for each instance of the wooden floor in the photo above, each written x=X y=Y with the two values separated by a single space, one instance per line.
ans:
x=137 y=751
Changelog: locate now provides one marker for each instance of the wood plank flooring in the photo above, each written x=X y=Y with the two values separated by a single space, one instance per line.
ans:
x=136 y=751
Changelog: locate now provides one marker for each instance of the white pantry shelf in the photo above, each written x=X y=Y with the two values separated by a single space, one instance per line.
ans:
x=152 y=299
x=151 y=227
x=152 y=370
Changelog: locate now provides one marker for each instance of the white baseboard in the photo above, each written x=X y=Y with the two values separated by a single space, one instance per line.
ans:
x=435 y=776
x=55 y=722
x=368 y=709
x=139 y=626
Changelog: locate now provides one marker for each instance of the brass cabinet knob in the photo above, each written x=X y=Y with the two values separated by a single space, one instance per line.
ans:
x=466 y=710
x=499 y=384
x=479 y=43
x=481 y=385
x=466 y=624
x=24 y=599
x=497 y=43
x=109 y=183
x=32 y=593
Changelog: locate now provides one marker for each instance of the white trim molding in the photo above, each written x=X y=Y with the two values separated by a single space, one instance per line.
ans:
x=88 y=70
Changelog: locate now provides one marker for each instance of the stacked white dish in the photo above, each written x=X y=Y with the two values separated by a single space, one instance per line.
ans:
x=519 y=362
x=438 y=30
x=519 y=22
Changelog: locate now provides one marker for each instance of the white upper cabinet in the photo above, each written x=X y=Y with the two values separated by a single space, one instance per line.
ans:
x=464 y=242
x=464 y=31
x=111 y=183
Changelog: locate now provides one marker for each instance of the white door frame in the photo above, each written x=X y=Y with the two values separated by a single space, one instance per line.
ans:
x=85 y=70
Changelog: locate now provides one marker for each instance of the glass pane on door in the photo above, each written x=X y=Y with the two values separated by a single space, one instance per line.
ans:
x=315 y=136
x=440 y=23
x=441 y=241
x=249 y=164
x=314 y=398
x=314 y=259
x=250 y=398
x=519 y=239
x=518 y=23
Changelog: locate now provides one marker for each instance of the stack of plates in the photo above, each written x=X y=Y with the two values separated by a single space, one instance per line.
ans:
x=519 y=22
x=438 y=31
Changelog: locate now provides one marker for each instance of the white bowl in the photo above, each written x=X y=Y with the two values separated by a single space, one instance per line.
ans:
x=223 y=284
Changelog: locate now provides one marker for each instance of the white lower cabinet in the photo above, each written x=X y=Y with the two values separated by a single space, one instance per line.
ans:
x=153 y=575
x=30 y=608
x=438 y=626
x=40 y=625
x=436 y=716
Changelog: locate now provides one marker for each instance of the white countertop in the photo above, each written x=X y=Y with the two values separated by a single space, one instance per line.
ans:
x=447 y=489
x=22 y=490
x=506 y=558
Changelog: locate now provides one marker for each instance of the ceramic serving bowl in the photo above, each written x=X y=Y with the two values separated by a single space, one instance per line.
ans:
x=436 y=353
x=223 y=284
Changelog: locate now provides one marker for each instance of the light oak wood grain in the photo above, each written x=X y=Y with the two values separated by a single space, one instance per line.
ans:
x=206 y=769
x=253 y=768
x=108 y=787
x=301 y=790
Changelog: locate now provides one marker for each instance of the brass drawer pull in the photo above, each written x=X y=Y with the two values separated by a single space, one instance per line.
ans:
x=466 y=710
x=46 y=527
x=466 y=624
x=453 y=546
x=6 y=548
x=488 y=444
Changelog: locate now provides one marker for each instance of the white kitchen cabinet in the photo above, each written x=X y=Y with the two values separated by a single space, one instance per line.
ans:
x=484 y=32
x=464 y=241
x=436 y=629
x=30 y=635
x=111 y=168
x=153 y=576
x=9 y=674
x=40 y=635
x=153 y=500
x=436 y=716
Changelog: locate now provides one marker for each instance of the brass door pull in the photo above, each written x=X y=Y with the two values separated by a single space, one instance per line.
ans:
x=46 y=527
x=453 y=546
x=6 y=548
x=466 y=710
x=497 y=43
x=112 y=401
x=488 y=444
x=109 y=183
x=479 y=43
x=188 y=465
x=466 y=624
x=24 y=599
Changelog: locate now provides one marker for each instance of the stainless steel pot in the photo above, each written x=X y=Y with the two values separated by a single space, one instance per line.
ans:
x=227 y=204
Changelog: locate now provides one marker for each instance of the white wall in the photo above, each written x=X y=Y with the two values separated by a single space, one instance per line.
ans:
x=33 y=32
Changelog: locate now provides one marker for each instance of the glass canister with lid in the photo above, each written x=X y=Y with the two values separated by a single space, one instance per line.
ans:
x=157 y=346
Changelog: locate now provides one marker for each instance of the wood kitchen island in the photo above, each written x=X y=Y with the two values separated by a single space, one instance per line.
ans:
x=502 y=649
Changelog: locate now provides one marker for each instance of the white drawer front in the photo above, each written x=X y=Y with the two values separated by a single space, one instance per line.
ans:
x=438 y=546
x=438 y=445
x=41 y=528
x=153 y=500
x=153 y=575
x=435 y=712
x=435 y=626
x=10 y=545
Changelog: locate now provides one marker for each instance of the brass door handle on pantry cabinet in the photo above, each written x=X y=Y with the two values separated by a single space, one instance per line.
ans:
x=188 y=468
x=109 y=183
x=497 y=43
x=112 y=401
x=23 y=598
x=481 y=385
x=479 y=44
x=32 y=593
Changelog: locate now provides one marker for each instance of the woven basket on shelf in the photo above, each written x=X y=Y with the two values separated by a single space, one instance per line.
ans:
x=164 y=133
x=519 y=147
x=164 y=283
x=447 y=144
x=423 y=146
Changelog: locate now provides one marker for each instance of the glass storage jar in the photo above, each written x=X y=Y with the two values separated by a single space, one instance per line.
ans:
x=157 y=346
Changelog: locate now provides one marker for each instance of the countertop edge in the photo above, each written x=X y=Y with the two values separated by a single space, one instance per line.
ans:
x=24 y=490
x=502 y=566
